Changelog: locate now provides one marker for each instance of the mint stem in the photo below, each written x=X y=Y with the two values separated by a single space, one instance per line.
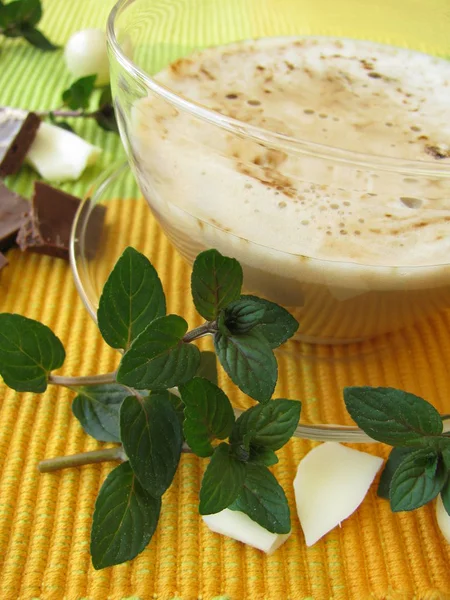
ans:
x=82 y=381
x=88 y=458
x=84 y=458
x=201 y=331
x=66 y=114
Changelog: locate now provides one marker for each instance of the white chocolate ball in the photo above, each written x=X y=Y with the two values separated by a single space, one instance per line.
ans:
x=85 y=54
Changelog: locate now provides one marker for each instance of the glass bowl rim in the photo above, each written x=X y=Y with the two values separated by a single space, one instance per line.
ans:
x=261 y=135
x=316 y=432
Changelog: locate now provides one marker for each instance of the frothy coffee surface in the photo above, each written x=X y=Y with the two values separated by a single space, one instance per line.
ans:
x=354 y=95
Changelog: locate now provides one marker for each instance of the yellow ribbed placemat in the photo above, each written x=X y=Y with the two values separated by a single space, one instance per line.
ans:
x=45 y=519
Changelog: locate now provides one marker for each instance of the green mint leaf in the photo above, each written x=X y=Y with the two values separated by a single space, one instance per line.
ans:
x=249 y=361
x=208 y=366
x=28 y=12
x=263 y=499
x=268 y=425
x=411 y=486
x=216 y=281
x=97 y=407
x=242 y=315
x=432 y=466
x=152 y=437
x=125 y=519
x=208 y=415
x=106 y=119
x=262 y=456
x=131 y=299
x=158 y=358
x=220 y=323
x=105 y=97
x=36 y=38
x=395 y=458
x=445 y=495
x=178 y=406
x=19 y=15
x=446 y=457
x=78 y=95
x=222 y=481
x=29 y=351
x=105 y=115
x=393 y=416
x=277 y=325
x=10 y=31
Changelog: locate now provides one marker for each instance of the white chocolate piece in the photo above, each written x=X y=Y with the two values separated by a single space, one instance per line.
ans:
x=443 y=519
x=331 y=482
x=238 y=526
x=59 y=155
x=85 y=54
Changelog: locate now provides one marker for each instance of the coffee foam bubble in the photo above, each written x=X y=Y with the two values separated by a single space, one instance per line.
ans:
x=358 y=96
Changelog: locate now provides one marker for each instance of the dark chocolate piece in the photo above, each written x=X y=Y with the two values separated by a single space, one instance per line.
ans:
x=47 y=229
x=3 y=261
x=13 y=213
x=18 y=129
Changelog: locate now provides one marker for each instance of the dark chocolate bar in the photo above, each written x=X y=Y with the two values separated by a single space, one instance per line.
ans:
x=48 y=227
x=18 y=129
x=13 y=213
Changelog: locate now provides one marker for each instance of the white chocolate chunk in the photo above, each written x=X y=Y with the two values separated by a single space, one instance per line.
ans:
x=331 y=482
x=238 y=526
x=59 y=155
x=443 y=519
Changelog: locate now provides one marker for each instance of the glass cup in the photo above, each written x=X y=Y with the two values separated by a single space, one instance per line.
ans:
x=334 y=301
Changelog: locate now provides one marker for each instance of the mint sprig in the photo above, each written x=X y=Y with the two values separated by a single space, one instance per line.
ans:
x=139 y=407
x=418 y=468
x=78 y=101
x=19 y=19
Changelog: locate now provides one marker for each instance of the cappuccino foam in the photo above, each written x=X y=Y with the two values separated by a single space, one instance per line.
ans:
x=354 y=95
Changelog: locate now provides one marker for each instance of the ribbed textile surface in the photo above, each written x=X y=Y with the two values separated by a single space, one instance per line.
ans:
x=45 y=519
